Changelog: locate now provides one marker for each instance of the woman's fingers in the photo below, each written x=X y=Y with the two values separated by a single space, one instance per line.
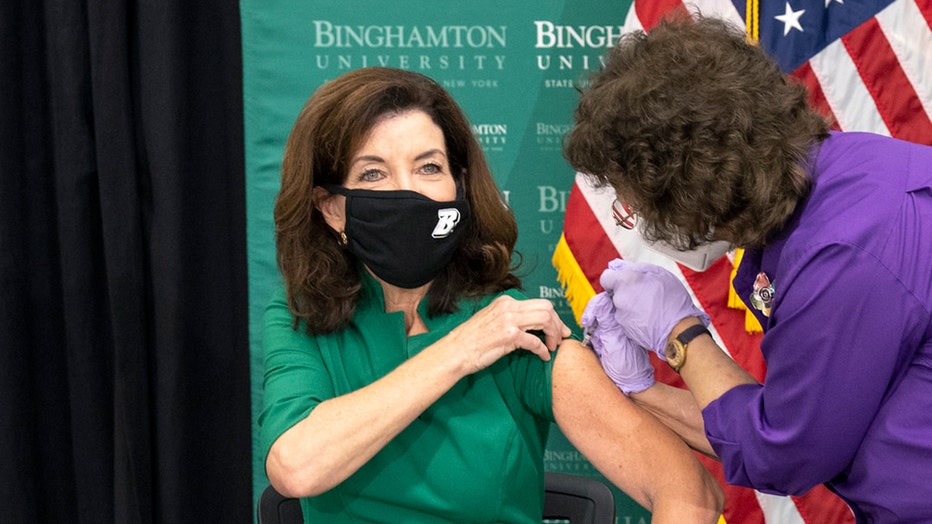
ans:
x=537 y=318
x=508 y=324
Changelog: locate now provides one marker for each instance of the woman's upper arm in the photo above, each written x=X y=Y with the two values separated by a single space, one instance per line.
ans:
x=633 y=449
x=295 y=378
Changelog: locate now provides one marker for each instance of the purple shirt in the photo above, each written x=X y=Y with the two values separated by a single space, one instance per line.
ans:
x=848 y=394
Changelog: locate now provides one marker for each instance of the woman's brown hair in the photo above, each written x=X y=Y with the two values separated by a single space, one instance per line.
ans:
x=698 y=131
x=322 y=278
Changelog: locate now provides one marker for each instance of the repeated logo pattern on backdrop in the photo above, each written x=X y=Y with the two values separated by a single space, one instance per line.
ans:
x=514 y=71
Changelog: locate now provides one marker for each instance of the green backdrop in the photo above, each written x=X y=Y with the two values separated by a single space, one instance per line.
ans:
x=511 y=65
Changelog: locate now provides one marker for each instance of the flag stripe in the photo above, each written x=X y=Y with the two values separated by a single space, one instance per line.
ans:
x=806 y=75
x=590 y=245
x=723 y=9
x=845 y=92
x=906 y=26
x=892 y=92
x=632 y=23
x=777 y=510
x=925 y=7
x=650 y=13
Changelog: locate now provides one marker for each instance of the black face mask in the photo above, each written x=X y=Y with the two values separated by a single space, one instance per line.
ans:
x=403 y=237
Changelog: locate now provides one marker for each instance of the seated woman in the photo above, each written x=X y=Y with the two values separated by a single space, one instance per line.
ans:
x=407 y=379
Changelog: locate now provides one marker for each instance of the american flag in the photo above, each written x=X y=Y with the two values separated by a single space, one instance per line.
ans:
x=868 y=65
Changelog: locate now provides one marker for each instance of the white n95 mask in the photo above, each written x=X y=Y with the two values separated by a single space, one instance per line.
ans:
x=698 y=259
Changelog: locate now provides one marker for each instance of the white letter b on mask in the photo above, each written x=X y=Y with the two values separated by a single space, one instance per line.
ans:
x=446 y=221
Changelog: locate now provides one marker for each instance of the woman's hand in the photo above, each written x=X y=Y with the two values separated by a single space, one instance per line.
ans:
x=504 y=326
x=649 y=301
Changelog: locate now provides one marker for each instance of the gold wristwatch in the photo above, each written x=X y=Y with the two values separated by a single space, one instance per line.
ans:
x=676 y=349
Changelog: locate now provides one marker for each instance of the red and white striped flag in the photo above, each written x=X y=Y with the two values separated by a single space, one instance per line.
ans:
x=867 y=64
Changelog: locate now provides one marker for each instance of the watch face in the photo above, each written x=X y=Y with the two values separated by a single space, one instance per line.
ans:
x=675 y=355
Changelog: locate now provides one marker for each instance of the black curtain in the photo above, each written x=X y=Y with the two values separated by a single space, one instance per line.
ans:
x=124 y=369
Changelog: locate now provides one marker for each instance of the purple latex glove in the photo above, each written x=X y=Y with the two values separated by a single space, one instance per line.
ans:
x=623 y=361
x=649 y=301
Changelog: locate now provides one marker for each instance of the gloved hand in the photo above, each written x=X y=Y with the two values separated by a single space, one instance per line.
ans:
x=623 y=361
x=649 y=301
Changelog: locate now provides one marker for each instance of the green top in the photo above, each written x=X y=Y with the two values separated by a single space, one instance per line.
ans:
x=476 y=455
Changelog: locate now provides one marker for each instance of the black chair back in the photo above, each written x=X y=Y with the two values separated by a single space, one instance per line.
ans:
x=274 y=508
x=578 y=499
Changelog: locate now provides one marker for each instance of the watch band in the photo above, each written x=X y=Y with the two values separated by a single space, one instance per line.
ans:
x=688 y=334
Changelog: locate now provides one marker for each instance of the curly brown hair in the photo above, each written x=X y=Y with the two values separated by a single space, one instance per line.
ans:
x=698 y=131
x=321 y=278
